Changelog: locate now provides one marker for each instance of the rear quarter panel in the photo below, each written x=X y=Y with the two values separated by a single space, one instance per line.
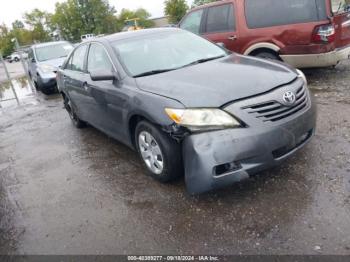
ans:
x=291 y=38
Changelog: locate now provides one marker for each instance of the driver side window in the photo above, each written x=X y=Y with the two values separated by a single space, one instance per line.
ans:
x=98 y=59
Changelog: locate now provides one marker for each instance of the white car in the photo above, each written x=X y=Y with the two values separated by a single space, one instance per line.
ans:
x=15 y=57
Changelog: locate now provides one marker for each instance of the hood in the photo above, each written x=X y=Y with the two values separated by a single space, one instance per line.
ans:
x=54 y=62
x=218 y=82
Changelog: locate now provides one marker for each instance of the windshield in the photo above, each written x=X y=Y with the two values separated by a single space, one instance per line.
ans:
x=53 y=51
x=164 y=51
x=340 y=6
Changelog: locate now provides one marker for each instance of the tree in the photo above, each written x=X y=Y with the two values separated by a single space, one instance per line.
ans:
x=17 y=24
x=201 y=2
x=6 y=45
x=78 y=17
x=175 y=9
x=39 y=22
x=142 y=14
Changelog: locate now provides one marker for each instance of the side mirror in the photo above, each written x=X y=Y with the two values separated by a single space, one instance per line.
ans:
x=102 y=75
x=221 y=44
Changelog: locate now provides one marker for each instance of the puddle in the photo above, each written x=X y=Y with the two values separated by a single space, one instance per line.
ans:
x=22 y=88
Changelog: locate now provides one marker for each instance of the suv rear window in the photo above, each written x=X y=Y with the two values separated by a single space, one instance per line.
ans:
x=266 y=13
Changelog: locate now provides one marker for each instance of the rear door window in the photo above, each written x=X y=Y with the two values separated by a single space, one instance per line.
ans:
x=266 y=13
x=192 y=22
x=220 y=19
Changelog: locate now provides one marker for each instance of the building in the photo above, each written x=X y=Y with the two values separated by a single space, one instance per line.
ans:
x=160 y=21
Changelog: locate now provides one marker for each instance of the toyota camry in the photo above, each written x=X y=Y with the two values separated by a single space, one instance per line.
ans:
x=188 y=106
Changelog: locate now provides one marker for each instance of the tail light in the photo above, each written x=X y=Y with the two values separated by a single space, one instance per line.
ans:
x=324 y=34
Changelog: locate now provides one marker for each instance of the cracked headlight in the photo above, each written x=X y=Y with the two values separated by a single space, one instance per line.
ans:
x=198 y=119
x=47 y=68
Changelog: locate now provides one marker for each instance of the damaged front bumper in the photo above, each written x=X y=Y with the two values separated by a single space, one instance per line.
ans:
x=216 y=159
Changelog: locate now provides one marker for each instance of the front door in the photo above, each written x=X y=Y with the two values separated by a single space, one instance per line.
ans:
x=107 y=97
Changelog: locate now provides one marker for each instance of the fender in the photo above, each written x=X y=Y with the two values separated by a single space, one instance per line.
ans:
x=262 y=45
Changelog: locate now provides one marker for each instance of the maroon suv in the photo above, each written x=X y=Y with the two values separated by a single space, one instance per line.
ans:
x=303 y=33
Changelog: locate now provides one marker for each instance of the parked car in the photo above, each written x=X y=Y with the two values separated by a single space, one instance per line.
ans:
x=15 y=57
x=187 y=105
x=302 y=33
x=87 y=37
x=44 y=61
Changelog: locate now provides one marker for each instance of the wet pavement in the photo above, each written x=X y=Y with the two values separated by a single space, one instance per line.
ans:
x=70 y=191
x=15 y=70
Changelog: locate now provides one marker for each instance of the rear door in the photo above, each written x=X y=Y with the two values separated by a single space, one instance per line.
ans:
x=220 y=25
x=341 y=19
x=74 y=78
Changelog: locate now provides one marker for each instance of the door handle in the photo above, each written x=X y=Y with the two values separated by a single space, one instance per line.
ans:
x=232 y=38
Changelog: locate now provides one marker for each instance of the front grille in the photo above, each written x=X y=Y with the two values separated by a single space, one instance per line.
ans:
x=272 y=111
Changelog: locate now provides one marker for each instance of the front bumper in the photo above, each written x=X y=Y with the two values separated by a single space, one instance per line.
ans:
x=317 y=60
x=244 y=151
x=48 y=80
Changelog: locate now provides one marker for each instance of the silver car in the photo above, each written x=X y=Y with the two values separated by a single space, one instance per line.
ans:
x=44 y=61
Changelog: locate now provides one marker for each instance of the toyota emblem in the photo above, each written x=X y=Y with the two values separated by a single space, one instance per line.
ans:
x=289 y=98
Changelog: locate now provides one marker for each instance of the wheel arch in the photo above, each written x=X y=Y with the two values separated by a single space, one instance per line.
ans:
x=133 y=120
x=263 y=46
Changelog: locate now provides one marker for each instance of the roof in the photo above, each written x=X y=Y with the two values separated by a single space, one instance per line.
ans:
x=131 y=34
x=211 y=4
x=49 y=44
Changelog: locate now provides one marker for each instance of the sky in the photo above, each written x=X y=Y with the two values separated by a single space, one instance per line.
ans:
x=11 y=10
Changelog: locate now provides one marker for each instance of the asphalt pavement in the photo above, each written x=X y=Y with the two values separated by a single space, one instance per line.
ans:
x=70 y=191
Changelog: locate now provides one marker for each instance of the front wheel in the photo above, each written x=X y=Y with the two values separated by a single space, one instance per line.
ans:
x=72 y=114
x=159 y=152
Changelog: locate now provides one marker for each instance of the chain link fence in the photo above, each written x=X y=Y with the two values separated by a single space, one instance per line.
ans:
x=14 y=81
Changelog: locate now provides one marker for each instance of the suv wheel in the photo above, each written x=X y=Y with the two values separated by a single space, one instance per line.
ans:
x=160 y=154
x=268 y=55
x=72 y=114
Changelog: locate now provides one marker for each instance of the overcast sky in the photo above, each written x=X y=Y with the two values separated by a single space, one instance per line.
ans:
x=11 y=10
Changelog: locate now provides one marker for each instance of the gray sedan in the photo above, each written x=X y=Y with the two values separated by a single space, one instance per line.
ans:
x=189 y=106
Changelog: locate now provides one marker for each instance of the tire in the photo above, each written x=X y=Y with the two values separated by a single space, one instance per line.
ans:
x=170 y=152
x=72 y=114
x=16 y=59
x=39 y=84
x=268 y=55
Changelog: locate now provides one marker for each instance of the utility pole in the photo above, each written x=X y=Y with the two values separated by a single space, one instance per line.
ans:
x=9 y=78
x=24 y=65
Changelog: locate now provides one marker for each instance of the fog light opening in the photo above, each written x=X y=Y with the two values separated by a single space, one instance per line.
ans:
x=227 y=168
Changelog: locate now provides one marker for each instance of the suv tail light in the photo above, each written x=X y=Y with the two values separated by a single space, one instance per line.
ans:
x=324 y=34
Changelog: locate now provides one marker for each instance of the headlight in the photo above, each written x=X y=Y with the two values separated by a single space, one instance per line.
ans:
x=197 y=119
x=302 y=75
x=47 y=68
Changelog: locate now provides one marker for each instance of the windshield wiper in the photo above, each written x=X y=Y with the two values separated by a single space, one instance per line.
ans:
x=199 y=61
x=154 y=72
